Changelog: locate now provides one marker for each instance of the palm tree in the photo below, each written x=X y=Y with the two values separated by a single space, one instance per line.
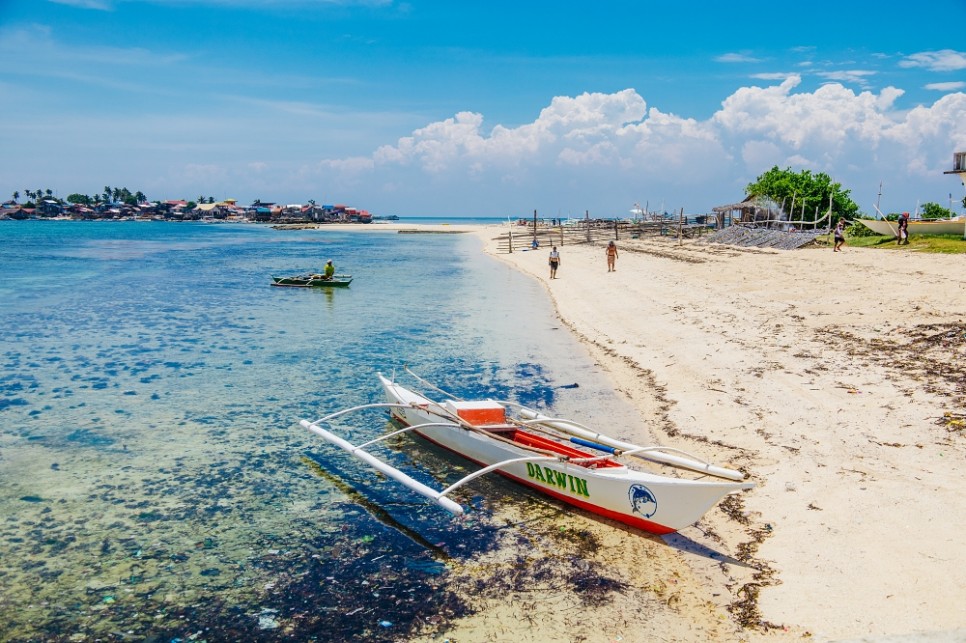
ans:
x=16 y=195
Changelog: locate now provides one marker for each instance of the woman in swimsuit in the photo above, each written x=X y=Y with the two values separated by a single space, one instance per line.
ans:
x=611 y=256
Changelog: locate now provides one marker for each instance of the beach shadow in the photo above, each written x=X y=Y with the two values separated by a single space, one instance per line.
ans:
x=684 y=544
x=374 y=509
x=558 y=509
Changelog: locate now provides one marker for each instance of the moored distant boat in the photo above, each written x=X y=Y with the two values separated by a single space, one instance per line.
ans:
x=312 y=281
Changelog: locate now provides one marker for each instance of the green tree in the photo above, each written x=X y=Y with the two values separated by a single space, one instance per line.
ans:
x=82 y=199
x=808 y=194
x=16 y=195
x=935 y=211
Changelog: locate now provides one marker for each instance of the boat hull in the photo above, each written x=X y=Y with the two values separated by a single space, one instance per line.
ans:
x=309 y=281
x=943 y=226
x=650 y=502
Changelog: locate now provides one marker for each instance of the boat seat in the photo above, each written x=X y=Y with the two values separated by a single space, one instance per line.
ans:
x=498 y=428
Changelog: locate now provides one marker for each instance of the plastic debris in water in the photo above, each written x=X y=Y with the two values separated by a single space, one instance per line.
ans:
x=385 y=623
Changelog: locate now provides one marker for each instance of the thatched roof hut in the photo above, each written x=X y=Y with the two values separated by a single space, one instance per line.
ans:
x=752 y=209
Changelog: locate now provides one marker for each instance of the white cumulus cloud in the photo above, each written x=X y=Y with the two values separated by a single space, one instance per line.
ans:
x=614 y=145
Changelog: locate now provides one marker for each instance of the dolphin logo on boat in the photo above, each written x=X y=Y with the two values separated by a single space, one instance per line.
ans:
x=642 y=500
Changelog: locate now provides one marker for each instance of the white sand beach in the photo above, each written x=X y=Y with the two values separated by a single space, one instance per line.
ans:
x=827 y=377
x=823 y=375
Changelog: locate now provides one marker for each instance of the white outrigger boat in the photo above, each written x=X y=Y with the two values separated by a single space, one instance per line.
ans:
x=952 y=226
x=538 y=450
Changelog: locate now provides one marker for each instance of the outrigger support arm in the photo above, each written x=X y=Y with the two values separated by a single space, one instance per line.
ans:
x=385 y=468
x=405 y=429
x=430 y=385
x=381 y=405
x=494 y=467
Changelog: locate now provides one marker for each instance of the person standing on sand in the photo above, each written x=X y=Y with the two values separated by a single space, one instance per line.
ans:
x=839 y=236
x=611 y=256
x=554 y=262
x=903 y=236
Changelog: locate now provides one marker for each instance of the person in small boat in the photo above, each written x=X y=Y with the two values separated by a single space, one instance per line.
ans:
x=554 y=262
x=329 y=270
x=611 y=257
x=839 y=236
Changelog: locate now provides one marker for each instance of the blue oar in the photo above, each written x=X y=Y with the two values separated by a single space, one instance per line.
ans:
x=593 y=445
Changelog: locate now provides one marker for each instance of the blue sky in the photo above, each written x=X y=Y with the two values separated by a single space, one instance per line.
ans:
x=431 y=108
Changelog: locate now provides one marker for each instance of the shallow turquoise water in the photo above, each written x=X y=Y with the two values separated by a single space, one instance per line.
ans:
x=153 y=479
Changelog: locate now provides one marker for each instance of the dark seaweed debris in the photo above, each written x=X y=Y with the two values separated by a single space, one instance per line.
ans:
x=532 y=571
x=745 y=610
x=924 y=357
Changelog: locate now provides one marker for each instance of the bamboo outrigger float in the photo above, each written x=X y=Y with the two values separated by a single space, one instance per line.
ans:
x=537 y=450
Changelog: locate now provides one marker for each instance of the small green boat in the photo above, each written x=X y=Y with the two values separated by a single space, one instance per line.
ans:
x=312 y=281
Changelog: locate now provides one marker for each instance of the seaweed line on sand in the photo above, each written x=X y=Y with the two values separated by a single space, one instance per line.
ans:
x=745 y=609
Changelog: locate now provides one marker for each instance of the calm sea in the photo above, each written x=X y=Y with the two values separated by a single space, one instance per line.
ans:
x=154 y=482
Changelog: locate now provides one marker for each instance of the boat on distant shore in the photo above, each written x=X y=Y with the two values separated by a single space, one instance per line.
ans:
x=312 y=281
x=538 y=451
x=955 y=226
x=951 y=226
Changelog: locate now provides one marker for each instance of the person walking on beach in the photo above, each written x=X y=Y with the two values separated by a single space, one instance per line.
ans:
x=611 y=256
x=839 y=236
x=554 y=262
x=903 y=236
